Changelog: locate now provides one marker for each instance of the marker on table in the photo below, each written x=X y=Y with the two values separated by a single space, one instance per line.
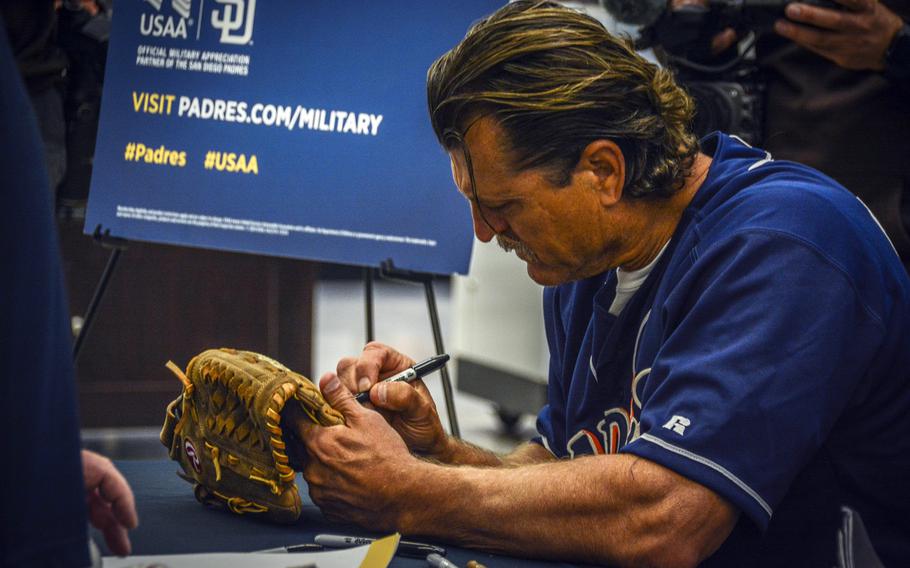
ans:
x=418 y=371
x=437 y=561
x=405 y=548
x=294 y=548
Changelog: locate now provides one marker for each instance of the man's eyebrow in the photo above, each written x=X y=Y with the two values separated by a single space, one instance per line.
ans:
x=498 y=203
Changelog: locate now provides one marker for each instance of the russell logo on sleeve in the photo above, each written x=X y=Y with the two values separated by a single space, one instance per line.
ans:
x=678 y=424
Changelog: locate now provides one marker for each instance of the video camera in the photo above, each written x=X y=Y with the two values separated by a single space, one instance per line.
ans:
x=728 y=89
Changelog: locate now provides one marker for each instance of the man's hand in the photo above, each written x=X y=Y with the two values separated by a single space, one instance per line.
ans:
x=356 y=472
x=408 y=407
x=856 y=38
x=111 y=506
x=722 y=40
x=377 y=361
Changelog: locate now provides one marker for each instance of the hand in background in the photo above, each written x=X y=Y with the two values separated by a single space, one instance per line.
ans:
x=111 y=506
x=723 y=40
x=856 y=38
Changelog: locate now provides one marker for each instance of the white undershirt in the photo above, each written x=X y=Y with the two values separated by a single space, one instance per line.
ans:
x=629 y=281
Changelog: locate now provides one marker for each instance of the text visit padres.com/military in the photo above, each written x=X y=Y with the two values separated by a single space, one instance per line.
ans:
x=241 y=112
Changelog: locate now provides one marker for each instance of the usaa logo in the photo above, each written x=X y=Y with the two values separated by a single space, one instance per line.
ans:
x=172 y=25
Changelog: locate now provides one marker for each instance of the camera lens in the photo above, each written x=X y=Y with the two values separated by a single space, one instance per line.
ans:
x=718 y=106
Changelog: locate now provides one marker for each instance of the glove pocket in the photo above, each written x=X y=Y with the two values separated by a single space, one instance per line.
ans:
x=246 y=483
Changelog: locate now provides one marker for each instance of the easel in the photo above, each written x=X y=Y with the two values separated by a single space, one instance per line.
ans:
x=386 y=271
x=117 y=246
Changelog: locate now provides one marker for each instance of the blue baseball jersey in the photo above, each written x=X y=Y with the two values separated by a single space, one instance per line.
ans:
x=765 y=357
x=43 y=517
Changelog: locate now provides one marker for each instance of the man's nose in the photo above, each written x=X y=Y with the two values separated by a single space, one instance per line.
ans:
x=482 y=226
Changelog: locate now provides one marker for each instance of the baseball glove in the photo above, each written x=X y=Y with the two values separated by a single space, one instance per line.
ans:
x=225 y=431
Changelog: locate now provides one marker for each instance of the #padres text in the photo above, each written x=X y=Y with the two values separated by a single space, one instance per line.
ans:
x=139 y=152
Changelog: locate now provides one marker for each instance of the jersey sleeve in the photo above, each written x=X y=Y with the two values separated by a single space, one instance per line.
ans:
x=765 y=339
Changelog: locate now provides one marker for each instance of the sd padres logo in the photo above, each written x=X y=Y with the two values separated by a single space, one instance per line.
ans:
x=235 y=20
x=190 y=450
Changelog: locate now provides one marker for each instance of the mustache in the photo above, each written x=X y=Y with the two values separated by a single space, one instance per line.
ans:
x=509 y=245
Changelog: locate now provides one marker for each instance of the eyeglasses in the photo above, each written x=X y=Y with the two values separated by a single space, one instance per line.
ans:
x=452 y=137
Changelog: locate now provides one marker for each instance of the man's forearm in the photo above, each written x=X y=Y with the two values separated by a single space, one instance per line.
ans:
x=459 y=452
x=607 y=509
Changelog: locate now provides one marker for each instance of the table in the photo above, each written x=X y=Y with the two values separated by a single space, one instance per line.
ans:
x=171 y=521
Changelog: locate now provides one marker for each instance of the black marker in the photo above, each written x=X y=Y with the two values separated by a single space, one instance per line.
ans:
x=294 y=548
x=418 y=371
x=405 y=548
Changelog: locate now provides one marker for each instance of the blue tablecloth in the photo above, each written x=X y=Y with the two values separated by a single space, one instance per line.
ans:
x=171 y=521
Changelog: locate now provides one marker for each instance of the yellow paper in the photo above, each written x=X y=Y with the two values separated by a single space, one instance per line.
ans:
x=381 y=552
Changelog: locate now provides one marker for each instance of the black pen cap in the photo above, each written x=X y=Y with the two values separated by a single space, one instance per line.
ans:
x=426 y=367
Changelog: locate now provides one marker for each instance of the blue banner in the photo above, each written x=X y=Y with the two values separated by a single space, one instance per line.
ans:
x=286 y=128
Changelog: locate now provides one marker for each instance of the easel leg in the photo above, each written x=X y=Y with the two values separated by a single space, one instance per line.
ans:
x=387 y=270
x=440 y=349
x=368 y=301
x=96 y=300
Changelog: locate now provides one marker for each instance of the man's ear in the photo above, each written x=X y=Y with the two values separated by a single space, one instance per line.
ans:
x=604 y=162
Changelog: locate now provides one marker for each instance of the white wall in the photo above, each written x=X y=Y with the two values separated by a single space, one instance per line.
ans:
x=497 y=315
